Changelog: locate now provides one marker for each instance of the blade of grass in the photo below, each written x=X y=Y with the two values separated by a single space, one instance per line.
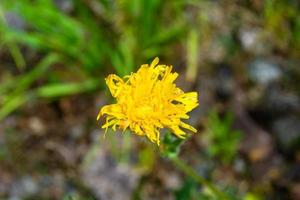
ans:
x=12 y=104
x=12 y=46
x=58 y=90
x=194 y=175
x=23 y=82
x=47 y=91
x=66 y=37
x=192 y=49
x=26 y=80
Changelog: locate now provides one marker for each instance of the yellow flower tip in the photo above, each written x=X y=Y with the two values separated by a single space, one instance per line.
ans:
x=154 y=62
x=147 y=101
x=98 y=116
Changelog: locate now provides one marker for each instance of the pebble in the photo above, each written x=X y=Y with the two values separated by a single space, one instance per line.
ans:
x=287 y=132
x=64 y=5
x=36 y=125
x=23 y=188
x=15 y=21
x=252 y=40
x=107 y=178
x=264 y=72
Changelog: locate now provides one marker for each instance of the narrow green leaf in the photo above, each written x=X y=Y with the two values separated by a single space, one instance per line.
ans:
x=58 y=90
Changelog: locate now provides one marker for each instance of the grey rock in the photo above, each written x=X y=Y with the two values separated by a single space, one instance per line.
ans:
x=77 y=131
x=107 y=178
x=64 y=5
x=23 y=187
x=264 y=72
x=14 y=21
x=287 y=132
x=36 y=125
x=224 y=82
x=252 y=40
x=239 y=165
x=28 y=186
x=278 y=101
x=248 y=38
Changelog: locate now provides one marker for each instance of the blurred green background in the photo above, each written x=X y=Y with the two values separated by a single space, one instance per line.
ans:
x=242 y=57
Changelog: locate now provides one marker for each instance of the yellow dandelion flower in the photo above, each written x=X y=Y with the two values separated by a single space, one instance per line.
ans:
x=147 y=101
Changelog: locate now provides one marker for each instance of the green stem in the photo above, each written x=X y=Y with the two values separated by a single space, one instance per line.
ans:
x=193 y=174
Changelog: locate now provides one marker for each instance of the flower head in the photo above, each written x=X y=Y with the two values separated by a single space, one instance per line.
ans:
x=147 y=101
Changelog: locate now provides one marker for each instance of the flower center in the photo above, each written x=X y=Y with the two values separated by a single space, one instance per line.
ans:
x=143 y=112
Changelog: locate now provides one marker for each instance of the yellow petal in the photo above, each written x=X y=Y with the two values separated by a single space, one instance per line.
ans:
x=187 y=126
x=154 y=62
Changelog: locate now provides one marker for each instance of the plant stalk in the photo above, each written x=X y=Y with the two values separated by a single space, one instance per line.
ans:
x=194 y=175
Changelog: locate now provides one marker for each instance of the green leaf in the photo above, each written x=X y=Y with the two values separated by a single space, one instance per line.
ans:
x=223 y=140
x=187 y=190
x=12 y=104
x=170 y=145
x=58 y=90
